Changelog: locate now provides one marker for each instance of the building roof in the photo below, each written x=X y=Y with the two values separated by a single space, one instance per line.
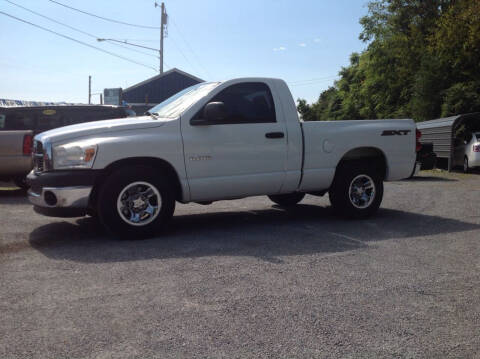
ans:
x=22 y=103
x=159 y=76
x=56 y=107
x=446 y=121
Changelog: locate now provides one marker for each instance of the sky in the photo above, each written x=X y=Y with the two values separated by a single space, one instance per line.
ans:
x=304 y=42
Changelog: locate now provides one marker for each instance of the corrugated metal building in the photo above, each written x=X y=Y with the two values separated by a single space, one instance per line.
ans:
x=154 y=90
x=442 y=133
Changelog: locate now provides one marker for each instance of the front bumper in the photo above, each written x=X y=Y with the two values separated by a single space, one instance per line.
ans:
x=68 y=197
x=61 y=194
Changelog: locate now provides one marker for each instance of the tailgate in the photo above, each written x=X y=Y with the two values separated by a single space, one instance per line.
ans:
x=11 y=142
x=12 y=160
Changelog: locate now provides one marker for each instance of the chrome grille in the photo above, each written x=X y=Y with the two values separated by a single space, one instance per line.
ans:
x=38 y=165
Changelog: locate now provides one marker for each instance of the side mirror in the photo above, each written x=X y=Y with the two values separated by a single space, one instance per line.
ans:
x=215 y=112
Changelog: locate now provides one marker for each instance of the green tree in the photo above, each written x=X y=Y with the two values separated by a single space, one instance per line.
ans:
x=421 y=61
x=305 y=110
x=461 y=98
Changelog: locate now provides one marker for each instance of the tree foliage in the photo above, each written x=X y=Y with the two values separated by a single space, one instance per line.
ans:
x=422 y=61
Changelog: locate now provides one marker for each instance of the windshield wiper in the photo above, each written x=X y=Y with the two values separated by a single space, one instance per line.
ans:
x=153 y=114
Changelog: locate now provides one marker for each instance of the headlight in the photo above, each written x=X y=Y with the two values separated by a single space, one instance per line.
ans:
x=79 y=154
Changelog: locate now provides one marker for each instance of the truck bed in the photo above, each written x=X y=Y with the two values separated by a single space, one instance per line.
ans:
x=327 y=142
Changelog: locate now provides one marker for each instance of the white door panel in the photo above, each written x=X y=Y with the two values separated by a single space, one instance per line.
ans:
x=229 y=154
x=233 y=160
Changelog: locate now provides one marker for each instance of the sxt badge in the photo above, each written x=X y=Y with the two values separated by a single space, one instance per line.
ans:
x=396 y=132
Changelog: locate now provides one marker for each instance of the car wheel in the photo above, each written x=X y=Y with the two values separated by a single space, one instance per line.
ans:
x=357 y=191
x=135 y=202
x=466 y=169
x=287 y=200
x=21 y=182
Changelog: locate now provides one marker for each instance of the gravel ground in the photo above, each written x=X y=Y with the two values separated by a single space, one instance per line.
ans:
x=245 y=278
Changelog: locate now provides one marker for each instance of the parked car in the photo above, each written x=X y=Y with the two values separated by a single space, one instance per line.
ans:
x=215 y=141
x=18 y=125
x=467 y=151
x=15 y=155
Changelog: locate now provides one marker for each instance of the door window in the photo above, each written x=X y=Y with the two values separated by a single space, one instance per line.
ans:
x=250 y=102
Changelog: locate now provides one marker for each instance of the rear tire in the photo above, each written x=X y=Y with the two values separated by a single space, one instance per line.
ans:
x=21 y=182
x=466 y=168
x=357 y=190
x=287 y=200
x=135 y=202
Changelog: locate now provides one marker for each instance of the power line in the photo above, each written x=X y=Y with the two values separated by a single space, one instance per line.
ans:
x=190 y=48
x=113 y=41
x=184 y=56
x=141 y=40
x=104 y=18
x=128 y=43
x=310 y=82
x=78 y=41
x=75 y=29
x=314 y=80
x=307 y=84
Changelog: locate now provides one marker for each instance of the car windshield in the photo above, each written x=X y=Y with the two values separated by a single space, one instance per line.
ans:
x=178 y=103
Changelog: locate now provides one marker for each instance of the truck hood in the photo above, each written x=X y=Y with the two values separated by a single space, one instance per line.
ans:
x=100 y=127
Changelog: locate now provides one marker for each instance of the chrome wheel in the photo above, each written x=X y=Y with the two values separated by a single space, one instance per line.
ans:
x=139 y=203
x=362 y=191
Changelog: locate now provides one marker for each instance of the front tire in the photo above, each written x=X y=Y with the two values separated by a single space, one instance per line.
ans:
x=287 y=200
x=135 y=202
x=357 y=190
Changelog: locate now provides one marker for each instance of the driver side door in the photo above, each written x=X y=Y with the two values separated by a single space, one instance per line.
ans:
x=243 y=154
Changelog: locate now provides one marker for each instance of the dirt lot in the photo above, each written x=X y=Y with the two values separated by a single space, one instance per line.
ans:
x=248 y=279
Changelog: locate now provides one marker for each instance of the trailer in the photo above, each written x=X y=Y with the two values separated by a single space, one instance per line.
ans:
x=445 y=134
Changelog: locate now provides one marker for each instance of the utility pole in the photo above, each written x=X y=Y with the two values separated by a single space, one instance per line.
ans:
x=163 y=27
x=161 y=40
x=89 y=89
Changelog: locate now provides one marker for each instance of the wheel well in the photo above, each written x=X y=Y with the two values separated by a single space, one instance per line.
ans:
x=373 y=155
x=157 y=163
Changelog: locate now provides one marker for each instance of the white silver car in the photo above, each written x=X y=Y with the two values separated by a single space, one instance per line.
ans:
x=467 y=151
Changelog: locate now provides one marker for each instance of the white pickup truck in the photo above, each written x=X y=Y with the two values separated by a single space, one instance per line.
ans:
x=215 y=141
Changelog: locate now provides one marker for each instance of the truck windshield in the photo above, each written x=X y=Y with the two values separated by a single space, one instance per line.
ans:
x=178 y=103
x=18 y=120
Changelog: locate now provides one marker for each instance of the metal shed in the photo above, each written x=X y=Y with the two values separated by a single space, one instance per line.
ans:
x=442 y=133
